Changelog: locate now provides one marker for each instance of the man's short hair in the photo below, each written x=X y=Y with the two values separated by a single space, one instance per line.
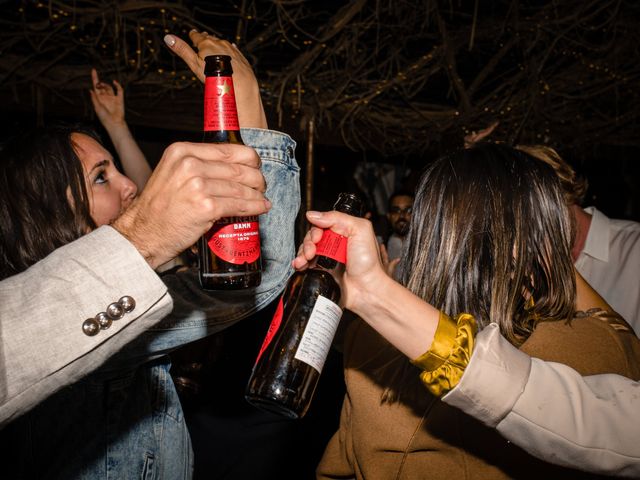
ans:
x=399 y=193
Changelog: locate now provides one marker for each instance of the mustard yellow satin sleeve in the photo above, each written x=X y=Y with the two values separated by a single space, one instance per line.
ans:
x=444 y=363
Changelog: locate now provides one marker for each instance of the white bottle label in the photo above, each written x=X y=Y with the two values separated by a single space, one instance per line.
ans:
x=317 y=337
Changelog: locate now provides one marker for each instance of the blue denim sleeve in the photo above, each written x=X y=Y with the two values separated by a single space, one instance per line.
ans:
x=197 y=313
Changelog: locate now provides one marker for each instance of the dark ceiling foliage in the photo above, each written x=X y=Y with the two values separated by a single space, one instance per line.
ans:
x=394 y=76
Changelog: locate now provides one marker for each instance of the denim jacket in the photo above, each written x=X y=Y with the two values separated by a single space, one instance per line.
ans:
x=125 y=421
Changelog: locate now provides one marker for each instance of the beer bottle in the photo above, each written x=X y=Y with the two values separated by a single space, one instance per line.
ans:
x=229 y=254
x=296 y=346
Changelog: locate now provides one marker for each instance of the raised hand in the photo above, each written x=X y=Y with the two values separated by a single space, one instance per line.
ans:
x=108 y=103
x=250 y=110
x=107 y=100
x=389 y=265
x=364 y=267
x=404 y=319
x=193 y=185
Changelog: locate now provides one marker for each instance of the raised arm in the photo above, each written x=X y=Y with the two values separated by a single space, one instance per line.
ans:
x=108 y=103
x=547 y=408
x=404 y=319
x=250 y=109
x=197 y=313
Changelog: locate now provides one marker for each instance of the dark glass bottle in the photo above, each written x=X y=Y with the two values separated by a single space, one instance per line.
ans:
x=229 y=254
x=295 y=348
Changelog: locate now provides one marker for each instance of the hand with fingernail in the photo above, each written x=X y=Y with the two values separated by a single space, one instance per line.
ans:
x=107 y=100
x=250 y=110
x=108 y=103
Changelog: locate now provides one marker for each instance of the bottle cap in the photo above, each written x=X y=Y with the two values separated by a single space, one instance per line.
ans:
x=350 y=203
x=217 y=64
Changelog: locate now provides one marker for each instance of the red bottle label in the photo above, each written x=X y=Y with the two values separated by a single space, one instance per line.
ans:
x=235 y=240
x=220 y=104
x=333 y=246
x=273 y=328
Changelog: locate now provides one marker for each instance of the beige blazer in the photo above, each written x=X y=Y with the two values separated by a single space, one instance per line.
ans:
x=42 y=345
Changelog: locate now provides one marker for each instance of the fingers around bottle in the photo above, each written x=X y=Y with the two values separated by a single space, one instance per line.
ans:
x=217 y=152
x=338 y=222
x=240 y=154
x=343 y=224
x=315 y=234
x=300 y=263
x=215 y=188
x=232 y=207
x=299 y=252
x=233 y=172
x=308 y=249
x=191 y=167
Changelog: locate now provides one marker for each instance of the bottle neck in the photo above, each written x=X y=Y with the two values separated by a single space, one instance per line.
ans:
x=331 y=251
x=220 y=111
x=330 y=264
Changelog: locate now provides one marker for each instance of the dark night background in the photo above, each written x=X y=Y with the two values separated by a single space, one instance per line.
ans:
x=389 y=82
x=386 y=83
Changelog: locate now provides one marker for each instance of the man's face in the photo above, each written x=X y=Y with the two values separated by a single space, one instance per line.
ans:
x=400 y=214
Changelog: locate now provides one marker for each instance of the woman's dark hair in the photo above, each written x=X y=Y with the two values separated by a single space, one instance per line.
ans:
x=43 y=198
x=489 y=229
x=491 y=236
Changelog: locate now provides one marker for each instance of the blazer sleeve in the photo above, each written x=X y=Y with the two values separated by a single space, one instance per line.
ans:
x=42 y=344
x=550 y=410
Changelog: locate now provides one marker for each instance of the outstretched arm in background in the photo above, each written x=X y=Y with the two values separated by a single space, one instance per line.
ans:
x=109 y=107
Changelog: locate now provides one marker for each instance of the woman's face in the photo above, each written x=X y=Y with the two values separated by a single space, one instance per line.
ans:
x=110 y=192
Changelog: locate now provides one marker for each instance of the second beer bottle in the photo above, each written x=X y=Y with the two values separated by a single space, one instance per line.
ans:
x=296 y=346
x=229 y=254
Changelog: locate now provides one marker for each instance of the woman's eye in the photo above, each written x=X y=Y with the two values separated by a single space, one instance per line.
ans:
x=100 y=178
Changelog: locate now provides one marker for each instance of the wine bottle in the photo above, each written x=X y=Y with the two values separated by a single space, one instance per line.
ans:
x=290 y=361
x=229 y=254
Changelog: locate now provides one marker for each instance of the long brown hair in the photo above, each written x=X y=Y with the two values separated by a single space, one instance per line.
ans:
x=573 y=185
x=43 y=198
x=489 y=230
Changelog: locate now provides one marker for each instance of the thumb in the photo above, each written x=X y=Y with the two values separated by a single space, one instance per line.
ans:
x=186 y=53
x=340 y=223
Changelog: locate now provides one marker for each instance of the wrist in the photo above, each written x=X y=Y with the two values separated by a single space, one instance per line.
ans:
x=368 y=300
x=115 y=125
x=125 y=224
x=251 y=112
x=404 y=319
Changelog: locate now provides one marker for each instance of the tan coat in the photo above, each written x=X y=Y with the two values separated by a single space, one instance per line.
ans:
x=426 y=439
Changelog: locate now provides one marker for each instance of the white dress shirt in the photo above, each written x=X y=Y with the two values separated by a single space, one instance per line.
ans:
x=550 y=410
x=394 y=246
x=610 y=262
